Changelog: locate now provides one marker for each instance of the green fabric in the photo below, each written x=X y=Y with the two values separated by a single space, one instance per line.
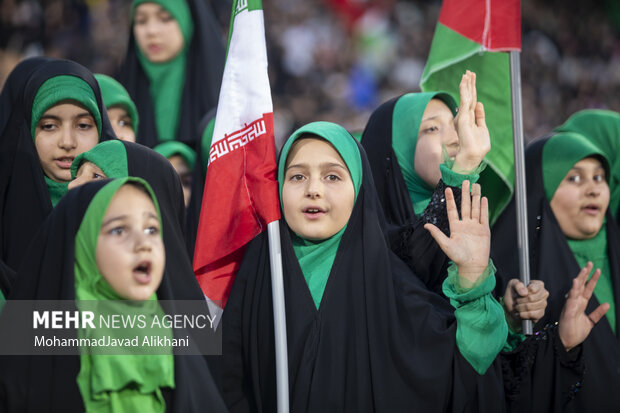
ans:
x=109 y=382
x=205 y=146
x=602 y=127
x=109 y=156
x=60 y=88
x=595 y=250
x=450 y=55
x=451 y=178
x=56 y=189
x=171 y=148
x=560 y=153
x=317 y=257
x=114 y=94
x=2 y=301
x=168 y=78
x=481 y=326
x=406 y=121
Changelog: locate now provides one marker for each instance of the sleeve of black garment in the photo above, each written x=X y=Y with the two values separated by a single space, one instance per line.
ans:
x=418 y=248
x=540 y=375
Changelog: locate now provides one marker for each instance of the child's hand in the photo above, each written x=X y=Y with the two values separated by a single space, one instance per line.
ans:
x=469 y=244
x=575 y=325
x=524 y=303
x=474 y=138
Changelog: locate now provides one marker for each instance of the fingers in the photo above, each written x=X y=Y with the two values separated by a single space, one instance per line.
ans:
x=453 y=215
x=480 y=115
x=596 y=315
x=437 y=235
x=484 y=211
x=579 y=281
x=589 y=288
x=472 y=87
x=465 y=200
x=475 y=202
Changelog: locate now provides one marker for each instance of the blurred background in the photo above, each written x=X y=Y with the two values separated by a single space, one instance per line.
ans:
x=337 y=60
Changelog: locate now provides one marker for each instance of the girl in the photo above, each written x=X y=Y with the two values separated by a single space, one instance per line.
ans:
x=172 y=43
x=363 y=333
x=121 y=110
x=57 y=115
x=104 y=242
x=569 y=224
x=182 y=158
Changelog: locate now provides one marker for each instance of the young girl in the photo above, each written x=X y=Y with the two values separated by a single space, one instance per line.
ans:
x=173 y=68
x=104 y=243
x=363 y=333
x=121 y=110
x=57 y=115
x=417 y=148
x=569 y=224
x=183 y=159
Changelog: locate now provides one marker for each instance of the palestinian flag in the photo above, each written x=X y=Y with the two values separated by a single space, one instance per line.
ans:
x=475 y=35
x=241 y=193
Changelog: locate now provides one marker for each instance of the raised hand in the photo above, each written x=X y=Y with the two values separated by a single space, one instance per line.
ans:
x=575 y=325
x=470 y=237
x=474 y=138
x=524 y=303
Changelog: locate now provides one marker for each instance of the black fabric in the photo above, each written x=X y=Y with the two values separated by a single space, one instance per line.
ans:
x=24 y=197
x=552 y=261
x=198 y=184
x=380 y=341
x=48 y=383
x=14 y=84
x=407 y=236
x=205 y=66
x=154 y=168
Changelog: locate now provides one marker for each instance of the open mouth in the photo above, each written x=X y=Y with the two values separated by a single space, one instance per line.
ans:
x=591 y=209
x=313 y=212
x=142 y=272
x=64 y=162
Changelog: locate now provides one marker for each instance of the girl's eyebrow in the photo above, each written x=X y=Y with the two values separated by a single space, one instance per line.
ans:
x=118 y=218
x=323 y=165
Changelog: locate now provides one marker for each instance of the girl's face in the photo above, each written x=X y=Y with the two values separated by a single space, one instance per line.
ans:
x=130 y=251
x=63 y=132
x=179 y=165
x=157 y=33
x=317 y=193
x=87 y=172
x=581 y=200
x=121 y=123
x=437 y=130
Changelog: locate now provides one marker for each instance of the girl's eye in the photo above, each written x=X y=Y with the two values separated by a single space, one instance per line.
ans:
x=153 y=230
x=84 y=125
x=431 y=129
x=599 y=178
x=47 y=126
x=117 y=231
x=332 y=178
x=296 y=177
x=165 y=17
x=574 y=178
x=98 y=176
x=125 y=122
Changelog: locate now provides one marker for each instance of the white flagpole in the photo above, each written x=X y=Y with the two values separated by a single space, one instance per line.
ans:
x=520 y=190
x=279 y=315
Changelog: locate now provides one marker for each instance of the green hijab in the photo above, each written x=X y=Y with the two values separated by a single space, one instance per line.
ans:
x=561 y=152
x=406 y=120
x=110 y=382
x=109 y=156
x=53 y=91
x=317 y=257
x=171 y=148
x=167 y=78
x=602 y=127
x=114 y=94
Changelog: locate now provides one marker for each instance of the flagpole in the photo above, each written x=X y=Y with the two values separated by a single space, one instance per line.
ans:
x=279 y=315
x=520 y=190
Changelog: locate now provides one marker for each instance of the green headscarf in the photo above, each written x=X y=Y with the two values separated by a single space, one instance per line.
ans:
x=109 y=156
x=561 y=152
x=406 y=120
x=602 y=127
x=317 y=257
x=167 y=79
x=171 y=148
x=114 y=94
x=205 y=143
x=108 y=382
x=55 y=90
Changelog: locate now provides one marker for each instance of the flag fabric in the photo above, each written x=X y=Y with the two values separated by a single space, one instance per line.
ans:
x=474 y=35
x=241 y=193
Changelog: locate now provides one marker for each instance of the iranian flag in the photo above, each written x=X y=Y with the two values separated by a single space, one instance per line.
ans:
x=241 y=193
x=475 y=35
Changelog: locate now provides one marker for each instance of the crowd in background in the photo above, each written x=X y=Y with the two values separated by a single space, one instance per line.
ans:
x=337 y=60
